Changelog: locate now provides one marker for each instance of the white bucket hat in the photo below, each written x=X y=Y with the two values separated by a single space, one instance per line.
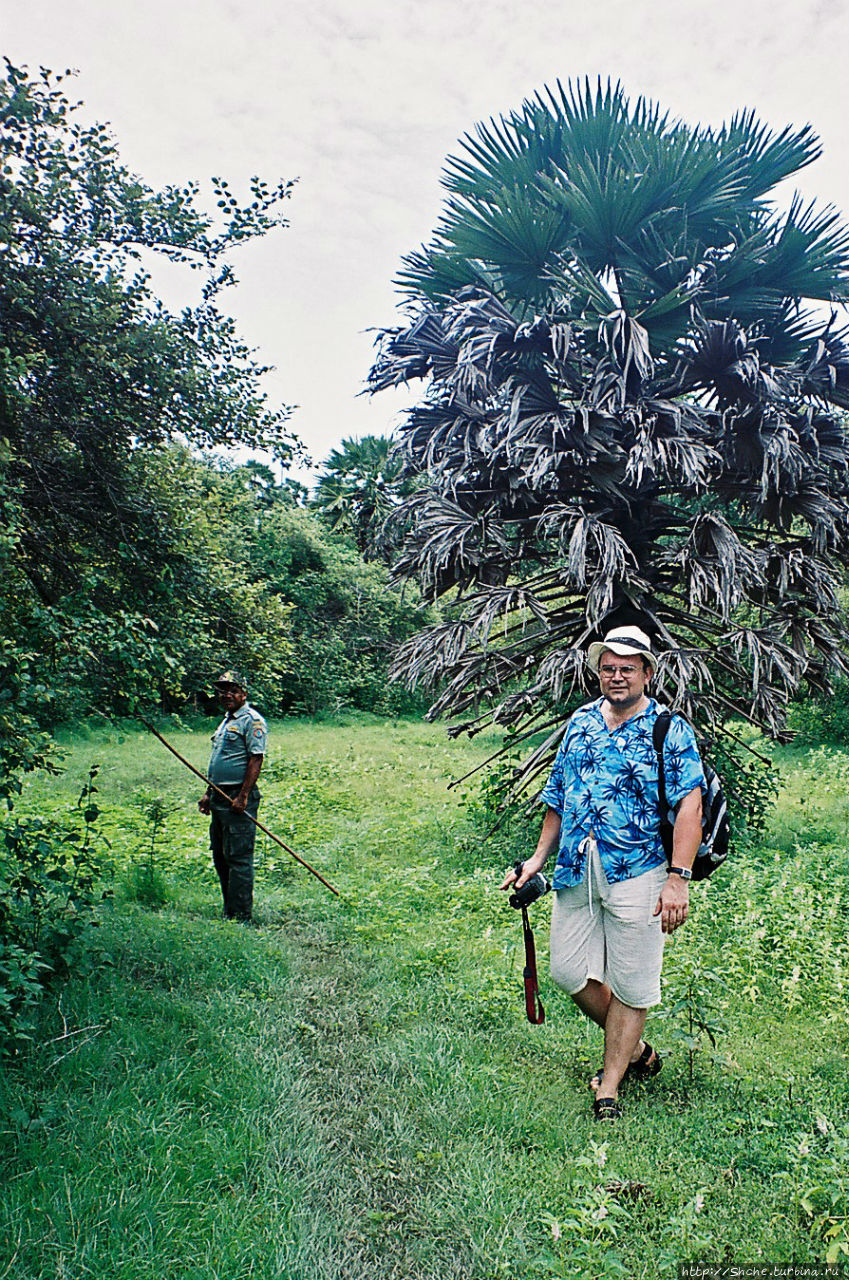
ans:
x=625 y=641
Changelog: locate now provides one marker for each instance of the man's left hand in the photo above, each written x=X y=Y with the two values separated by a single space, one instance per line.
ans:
x=673 y=905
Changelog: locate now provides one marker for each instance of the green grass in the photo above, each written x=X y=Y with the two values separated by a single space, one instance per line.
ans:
x=352 y=1090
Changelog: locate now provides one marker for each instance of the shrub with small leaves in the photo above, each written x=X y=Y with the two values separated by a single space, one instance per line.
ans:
x=694 y=1004
x=51 y=881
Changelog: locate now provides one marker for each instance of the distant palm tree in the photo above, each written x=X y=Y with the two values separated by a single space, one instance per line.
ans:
x=629 y=416
x=360 y=485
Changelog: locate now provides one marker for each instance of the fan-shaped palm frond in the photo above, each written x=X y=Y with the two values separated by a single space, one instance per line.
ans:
x=631 y=411
x=360 y=484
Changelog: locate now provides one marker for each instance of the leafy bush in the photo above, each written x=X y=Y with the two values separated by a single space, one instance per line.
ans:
x=50 y=885
x=21 y=989
x=750 y=782
x=24 y=746
x=823 y=719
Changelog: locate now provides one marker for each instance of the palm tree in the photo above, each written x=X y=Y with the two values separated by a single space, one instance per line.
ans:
x=633 y=374
x=360 y=485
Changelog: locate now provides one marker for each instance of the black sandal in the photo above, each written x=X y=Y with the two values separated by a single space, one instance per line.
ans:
x=647 y=1065
x=607 y=1109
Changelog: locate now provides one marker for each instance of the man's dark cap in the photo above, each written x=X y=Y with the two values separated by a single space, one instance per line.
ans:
x=232 y=677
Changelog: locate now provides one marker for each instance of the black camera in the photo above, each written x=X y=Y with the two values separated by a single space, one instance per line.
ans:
x=531 y=890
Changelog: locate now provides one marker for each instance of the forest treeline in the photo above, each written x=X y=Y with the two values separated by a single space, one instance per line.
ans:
x=226 y=567
x=135 y=563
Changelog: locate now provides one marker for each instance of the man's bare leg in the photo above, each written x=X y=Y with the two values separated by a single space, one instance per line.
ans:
x=622 y=1039
x=595 y=1000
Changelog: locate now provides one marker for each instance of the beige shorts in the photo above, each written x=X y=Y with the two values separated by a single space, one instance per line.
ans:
x=609 y=932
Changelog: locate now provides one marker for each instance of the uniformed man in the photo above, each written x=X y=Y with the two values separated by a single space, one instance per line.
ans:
x=238 y=749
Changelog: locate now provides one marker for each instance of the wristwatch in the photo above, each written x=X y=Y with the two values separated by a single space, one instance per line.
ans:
x=684 y=872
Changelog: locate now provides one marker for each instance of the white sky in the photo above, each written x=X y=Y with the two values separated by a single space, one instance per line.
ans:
x=363 y=101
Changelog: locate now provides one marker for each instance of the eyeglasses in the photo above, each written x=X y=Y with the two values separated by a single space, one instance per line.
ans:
x=627 y=671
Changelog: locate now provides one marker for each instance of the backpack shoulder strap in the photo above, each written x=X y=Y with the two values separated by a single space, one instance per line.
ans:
x=661 y=729
x=658 y=737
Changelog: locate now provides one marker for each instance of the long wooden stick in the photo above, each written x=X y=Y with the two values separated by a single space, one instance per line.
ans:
x=254 y=820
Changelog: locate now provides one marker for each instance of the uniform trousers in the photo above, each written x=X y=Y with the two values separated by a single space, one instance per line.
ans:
x=232 y=837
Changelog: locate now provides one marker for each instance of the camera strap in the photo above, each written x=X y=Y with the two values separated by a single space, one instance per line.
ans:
x=533 y=1004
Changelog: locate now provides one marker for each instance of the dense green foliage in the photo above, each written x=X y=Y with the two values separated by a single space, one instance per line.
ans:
x=130 y=567
x=632 y=412
x=345 y=623
x=97 y=377
x=52 y=876
x=825 y=719
x=352 y=1089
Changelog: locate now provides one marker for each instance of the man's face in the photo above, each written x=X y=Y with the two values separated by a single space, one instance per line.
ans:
x=623 y=680
x=231 y=696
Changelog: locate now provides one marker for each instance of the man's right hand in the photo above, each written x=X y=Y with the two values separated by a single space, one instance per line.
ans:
x=547 y=844
x=529 y=868
x=203 y=803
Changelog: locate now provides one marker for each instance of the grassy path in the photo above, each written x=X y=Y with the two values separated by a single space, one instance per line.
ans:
x=352 y=1091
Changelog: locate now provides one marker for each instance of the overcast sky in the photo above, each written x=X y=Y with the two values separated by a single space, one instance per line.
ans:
x=363 y=101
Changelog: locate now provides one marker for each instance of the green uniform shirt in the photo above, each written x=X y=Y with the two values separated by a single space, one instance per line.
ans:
x=240 y=735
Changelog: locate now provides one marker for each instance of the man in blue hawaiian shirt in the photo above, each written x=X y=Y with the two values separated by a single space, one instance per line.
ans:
x=615 y=897
x=238 y=749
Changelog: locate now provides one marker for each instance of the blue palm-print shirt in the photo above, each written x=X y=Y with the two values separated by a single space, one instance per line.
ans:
x=606 y=784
